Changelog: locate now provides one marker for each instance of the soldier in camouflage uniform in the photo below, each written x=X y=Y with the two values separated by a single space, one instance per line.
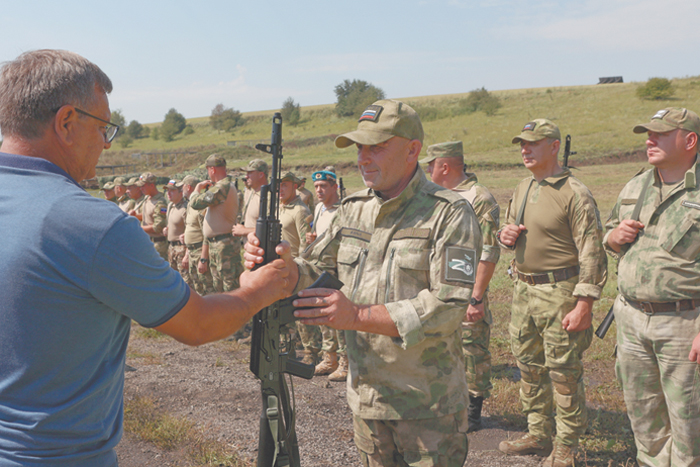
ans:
x=120 y=192
x=654 y=230
x=256 y=177
x=175 y=229
x=306 y=196
x=220 y=198
x=559 y=268
x=108 y=189
x=155 y=207
x=335 y=358
x=406 y=250
x=133 y=190
x=446 y=168
x=193 y=238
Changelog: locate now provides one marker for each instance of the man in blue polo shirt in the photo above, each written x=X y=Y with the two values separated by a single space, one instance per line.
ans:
x=76 y=270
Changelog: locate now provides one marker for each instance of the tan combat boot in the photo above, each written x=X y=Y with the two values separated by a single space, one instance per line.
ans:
x=309 y=357
x=562 y=456
x=528 y=444
x=341 y=374
x=328 y=365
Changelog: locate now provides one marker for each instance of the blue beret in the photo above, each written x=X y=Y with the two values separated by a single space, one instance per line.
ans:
x=323 y=175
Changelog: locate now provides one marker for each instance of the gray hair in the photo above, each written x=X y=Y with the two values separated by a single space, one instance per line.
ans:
x=38 y=83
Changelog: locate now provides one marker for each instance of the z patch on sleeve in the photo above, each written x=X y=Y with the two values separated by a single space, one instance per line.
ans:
x=460 y=265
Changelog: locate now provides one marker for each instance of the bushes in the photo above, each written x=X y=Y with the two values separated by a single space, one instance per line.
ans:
x=354 y=97
x=656 y=89
x=479 y=99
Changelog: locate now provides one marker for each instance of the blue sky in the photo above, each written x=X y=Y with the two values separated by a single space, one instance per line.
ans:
x=252 y=55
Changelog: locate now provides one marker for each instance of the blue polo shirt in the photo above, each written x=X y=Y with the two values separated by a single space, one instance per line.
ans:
x=74 y=271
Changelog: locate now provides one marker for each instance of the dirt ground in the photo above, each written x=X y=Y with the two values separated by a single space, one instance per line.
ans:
x=213 y=387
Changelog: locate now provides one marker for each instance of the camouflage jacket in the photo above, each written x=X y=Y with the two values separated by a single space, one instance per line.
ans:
x=487 y=212
x=417 y=255
x=663 y=263
x=563 y=229
x=155 y=209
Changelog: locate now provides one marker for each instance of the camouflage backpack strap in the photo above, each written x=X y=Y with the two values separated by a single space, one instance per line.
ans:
x=521 y=211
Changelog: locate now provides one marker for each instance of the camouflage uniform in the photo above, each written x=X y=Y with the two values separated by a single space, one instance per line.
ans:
x=126 y=204
x=417 y=255
x=661 y=386
x=307 y=198
x=224 y=248
x=563 y=231
x=194 y=238
x=476 y=335
x=176 y=249
x=154 y=211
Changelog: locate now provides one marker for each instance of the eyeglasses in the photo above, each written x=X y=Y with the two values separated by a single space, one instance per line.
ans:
x=110 y=129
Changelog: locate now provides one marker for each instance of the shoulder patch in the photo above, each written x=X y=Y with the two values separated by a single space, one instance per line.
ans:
x=690 y=204
x=496 y=215
x=460 y=265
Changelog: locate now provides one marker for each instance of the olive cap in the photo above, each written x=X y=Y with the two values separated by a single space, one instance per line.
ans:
x=215 y=160
x=443 y=150
x=382 y=121
x=257 y=165
x=538 y=129
x=669 y=119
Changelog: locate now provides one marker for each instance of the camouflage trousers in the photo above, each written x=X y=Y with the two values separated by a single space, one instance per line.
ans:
x=310 y=337
x=427 y=442
x=477 y=358
x=660 y=384
x=175 y=255
x=333 y=340
x=225 y=263
x=549 y=358
x=162 y=249
x=203 y=284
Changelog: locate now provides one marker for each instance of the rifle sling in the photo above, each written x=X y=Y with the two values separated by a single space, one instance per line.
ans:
x=519 y=218
x=642 y=195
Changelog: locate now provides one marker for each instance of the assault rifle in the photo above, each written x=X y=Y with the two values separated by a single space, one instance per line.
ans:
x=567 y=151
x=342 y=188
x=606 y=323
x=277 y=444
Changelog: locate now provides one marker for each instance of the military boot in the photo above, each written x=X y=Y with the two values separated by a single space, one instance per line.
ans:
x=328 y=365
x=561 y=456
x=341 y=373
x=525 y=445
x=474 y=413
x=309 y=357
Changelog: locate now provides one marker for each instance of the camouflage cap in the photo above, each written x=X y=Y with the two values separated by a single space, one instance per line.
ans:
x=669 y=119
x=538 y=129
x=215 y=160
x=190 y=180
x=108 y=186
x=119 y=181
x=445 y=150
x=134 y=181
x=323 y=175
x=329 y=168
x=148 y=177
x=289 y=177
x=175 y=184
x=382 y=121
x=257 y=165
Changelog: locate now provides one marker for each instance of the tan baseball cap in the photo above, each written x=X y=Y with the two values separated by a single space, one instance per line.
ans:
x=134 y=181
x=108 y=186
x=119 y=181
x=538 y=129
x=257 y=165
x=443 y=150
x=289 y=177
x=190 y=180
x=382 y=121
x=215 y=160
x=148 y=177
x=173 y=184
x=669 y=119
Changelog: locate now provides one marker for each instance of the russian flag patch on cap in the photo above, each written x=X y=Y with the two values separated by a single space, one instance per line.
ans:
x=371 y=113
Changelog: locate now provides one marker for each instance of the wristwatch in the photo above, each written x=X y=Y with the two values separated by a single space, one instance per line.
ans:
x=474 y=302
x=203 y=260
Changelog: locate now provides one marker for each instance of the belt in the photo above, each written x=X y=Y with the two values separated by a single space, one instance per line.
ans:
x=194 y=246
x=664 y=307
x=158 y=239
x=175 y=242
x=218 y=238
x=549 y=277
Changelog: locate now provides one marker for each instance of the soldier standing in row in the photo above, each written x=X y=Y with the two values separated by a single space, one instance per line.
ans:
x=220 y=198
x=335 y=359
x=193 y=238
x=175 y=229
x=133 y=189
x=554 y=227
x=256 y=177
x=305 y=194
x=446 y=168
x=120 y=192
x=155 y=207
x=653 y=230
